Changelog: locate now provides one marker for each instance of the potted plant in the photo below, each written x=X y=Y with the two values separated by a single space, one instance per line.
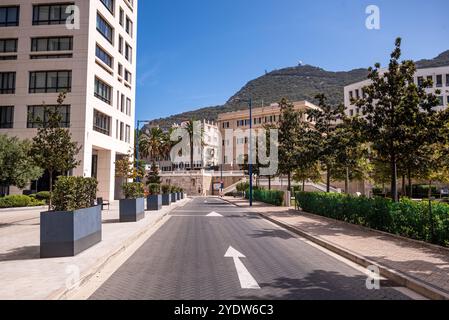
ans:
x=74 y=224
x=181 y=190
x=154 y=199
x=166 y=196
x=132 y=208
x=173 y=194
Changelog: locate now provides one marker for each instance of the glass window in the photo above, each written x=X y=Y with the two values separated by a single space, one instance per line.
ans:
x=447 y=80
x=51 y=14
x=8 y=45
x=52 y=44
x=102 y=123
x=129 y=26
x=37 y=115
x=109 y=4
x=7 y=82
x=50 y=81
x=9 y=16
x=104 y=56
x=439 y=80
x=6 y=117
x=103 y=91
x=104 y=28
x=121 y=17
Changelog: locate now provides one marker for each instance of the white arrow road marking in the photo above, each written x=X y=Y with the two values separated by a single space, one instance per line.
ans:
x=246 y=279
x=214 y=214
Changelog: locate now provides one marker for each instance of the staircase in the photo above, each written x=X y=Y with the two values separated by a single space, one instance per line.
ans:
x=233 y=187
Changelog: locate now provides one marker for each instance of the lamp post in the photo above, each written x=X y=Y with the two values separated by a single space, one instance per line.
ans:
x=139 y=122
x=250 y=153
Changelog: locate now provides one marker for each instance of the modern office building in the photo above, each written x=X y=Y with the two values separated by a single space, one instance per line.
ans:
x=439 y=76
x=86 y=48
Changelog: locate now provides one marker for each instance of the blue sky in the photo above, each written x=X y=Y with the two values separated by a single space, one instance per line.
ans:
x=197 y=53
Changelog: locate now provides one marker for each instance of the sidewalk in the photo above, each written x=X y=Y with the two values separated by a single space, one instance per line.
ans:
x=24 y=276
x=421 y=267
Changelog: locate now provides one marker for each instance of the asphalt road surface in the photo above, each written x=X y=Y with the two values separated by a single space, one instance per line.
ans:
x=185 y=259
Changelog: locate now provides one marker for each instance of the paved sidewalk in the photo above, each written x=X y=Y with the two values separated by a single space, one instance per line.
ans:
x=426 y=264
x=24 y=276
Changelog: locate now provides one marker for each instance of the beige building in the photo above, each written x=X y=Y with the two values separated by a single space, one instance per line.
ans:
x=239 y=120
x=86 y=48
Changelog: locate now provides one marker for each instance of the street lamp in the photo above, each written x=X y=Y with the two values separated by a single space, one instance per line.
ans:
x=250 y=158
x=139 y=122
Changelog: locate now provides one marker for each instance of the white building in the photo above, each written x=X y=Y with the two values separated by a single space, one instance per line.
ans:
x=440 y=77
x=41 y=55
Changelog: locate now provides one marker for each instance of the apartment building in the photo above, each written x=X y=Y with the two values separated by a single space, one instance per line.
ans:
x=86 y=48
x=439 y=76
x=240 y=121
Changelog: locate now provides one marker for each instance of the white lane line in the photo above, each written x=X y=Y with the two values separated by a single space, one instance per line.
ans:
x=247 y=281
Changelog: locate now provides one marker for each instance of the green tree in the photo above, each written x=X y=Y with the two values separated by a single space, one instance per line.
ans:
x=52 y=148
x=16 y=167
x=288 y=138
x=323 y=136
x=195 y=132
x=394 y=109
x=304 y=173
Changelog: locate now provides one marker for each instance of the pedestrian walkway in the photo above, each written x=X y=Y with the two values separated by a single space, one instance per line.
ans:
x=24 y=276
x=424 y=264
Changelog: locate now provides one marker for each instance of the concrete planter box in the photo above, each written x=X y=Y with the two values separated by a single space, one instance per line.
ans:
x=178 y=196
x=132 y=210
x=154 y=202
x=166 y=199
x=68 y=233
x=173 y=197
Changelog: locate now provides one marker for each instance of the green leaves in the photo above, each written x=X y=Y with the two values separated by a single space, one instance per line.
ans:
x=133 y=190
x=16 y=166
x=74 y=193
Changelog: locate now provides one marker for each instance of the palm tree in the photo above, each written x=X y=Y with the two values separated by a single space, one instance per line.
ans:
x=151 y=143
x=195 y=137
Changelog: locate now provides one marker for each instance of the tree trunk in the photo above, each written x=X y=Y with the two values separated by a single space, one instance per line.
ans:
x=404 y=192
x=303 y=185
x=347 y=181
x=289 y=181
x=191 y=155
x=269 y=182
x=430 y=189
x=51 y=191
x=328 y=180
x=410 y=184
x=394 y=180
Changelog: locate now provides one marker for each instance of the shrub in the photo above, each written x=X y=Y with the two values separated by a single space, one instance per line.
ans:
x=241 y=187
x=173 y=189
x=134 y=190
x=165 y=188
x=154 y=188
x=406 y=218
x=274 y=197
x=43 y=195
x=74 y=193
x=19 y=201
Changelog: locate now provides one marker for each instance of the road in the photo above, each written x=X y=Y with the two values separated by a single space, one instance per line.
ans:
x=185 y=259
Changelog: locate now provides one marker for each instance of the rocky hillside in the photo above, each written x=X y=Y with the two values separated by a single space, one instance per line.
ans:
x=295 y=83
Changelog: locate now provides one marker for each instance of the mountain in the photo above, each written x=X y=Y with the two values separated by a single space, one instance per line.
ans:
x=295 y=83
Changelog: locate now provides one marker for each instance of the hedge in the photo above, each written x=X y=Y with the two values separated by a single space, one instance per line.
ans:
x=406 y=218
x=20 y=201
x=274 y=197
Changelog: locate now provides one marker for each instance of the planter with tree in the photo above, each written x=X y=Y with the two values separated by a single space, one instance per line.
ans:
x=74 y=224
x=132 y=208
x=174 y=197
x=154 y=199
x=166 y=196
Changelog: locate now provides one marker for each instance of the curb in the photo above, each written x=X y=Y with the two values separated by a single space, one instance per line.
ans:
x=396 y=276
x=64 y=293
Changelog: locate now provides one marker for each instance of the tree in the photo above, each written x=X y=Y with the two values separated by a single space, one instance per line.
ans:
x=196 y=137
x=52 y=148
x=16 y=166
x=394 y=109
x=288 y=137
x=323 y=135
x=304 y=173
x=153 y=179
x=151 y=143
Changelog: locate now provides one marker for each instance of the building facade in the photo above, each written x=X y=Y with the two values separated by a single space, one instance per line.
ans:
x=439 y=76
x=86 y=48
x=239 y=121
